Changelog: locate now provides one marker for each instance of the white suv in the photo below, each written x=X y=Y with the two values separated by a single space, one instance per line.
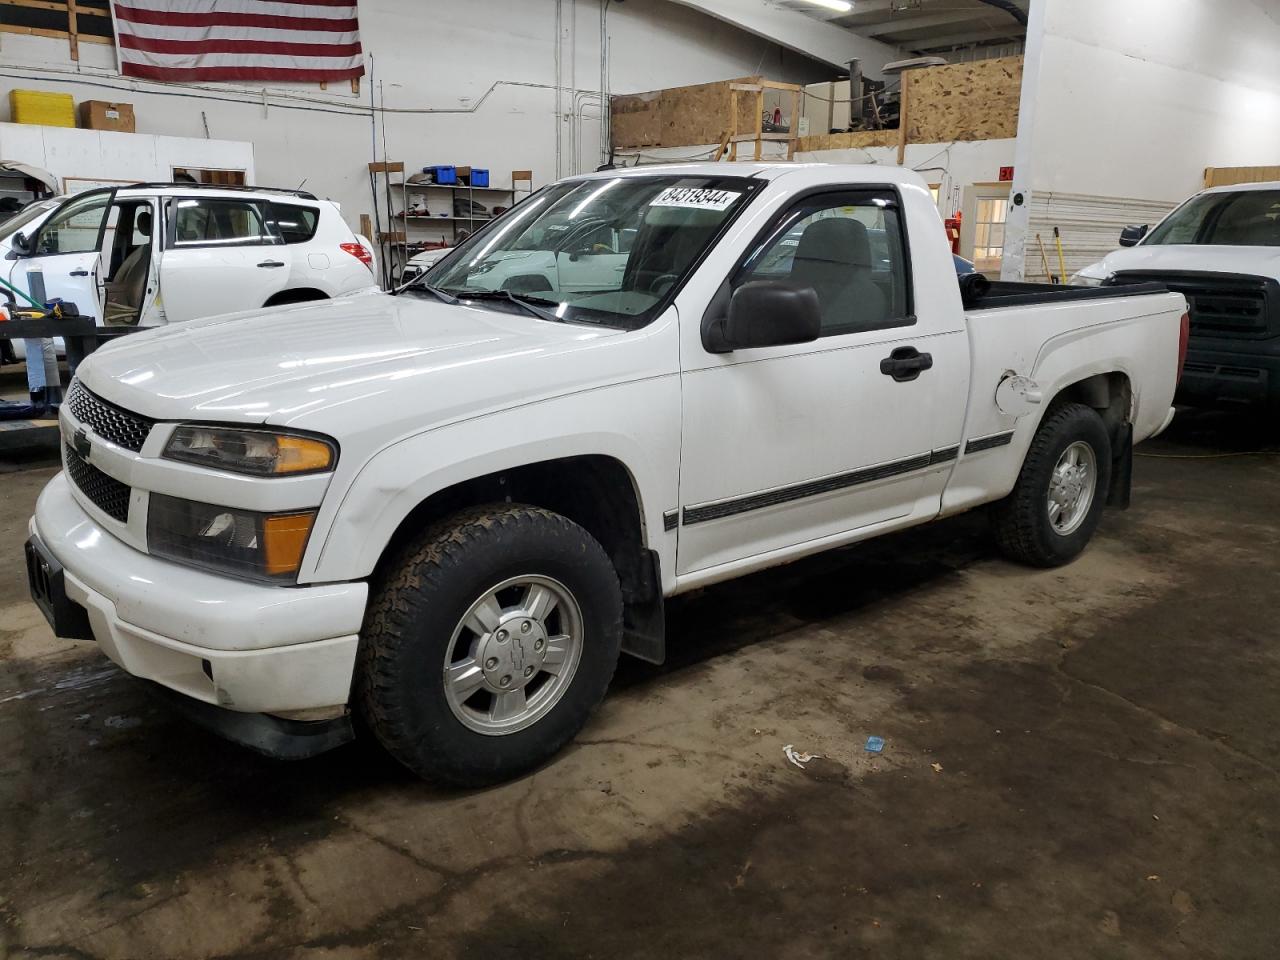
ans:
x=154 y=254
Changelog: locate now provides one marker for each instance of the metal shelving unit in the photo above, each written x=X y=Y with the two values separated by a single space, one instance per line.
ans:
x=450 y=223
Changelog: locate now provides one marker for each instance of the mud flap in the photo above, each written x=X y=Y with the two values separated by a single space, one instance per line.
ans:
x=644 y=619
x=1121 y=468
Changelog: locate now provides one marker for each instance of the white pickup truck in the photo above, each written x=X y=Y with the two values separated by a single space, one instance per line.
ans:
x=1221 y=250
x=447 y=512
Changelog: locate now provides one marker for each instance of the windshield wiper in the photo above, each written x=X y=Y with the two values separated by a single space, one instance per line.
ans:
x=436 y=292
x=528 y=304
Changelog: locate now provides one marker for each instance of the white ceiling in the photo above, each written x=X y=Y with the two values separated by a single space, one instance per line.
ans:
x=921 y=26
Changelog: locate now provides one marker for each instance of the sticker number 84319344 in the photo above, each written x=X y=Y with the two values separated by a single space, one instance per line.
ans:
x=700 y=198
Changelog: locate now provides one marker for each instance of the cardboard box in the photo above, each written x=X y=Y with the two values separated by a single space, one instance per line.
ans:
x=38 y=106
x=101 y=115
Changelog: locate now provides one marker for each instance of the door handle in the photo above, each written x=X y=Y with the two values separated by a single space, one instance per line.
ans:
x=79 y=273
x=906 y=363
x=271 y=264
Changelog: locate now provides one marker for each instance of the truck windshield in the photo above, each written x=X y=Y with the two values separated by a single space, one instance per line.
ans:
x=605 y=251
x=1246 y=218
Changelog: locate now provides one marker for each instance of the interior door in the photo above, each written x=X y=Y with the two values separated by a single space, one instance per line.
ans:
x=791 y=444
x=986 y=207
x=219 y=257
x=66 y=255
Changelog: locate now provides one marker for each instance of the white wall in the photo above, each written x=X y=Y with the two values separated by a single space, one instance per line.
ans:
x=473 y=83
x=953 y=166
x=1132 y=100
x=108 y=156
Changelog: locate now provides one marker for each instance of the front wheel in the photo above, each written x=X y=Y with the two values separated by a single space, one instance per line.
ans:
x=1057 y=503
x=487 y=644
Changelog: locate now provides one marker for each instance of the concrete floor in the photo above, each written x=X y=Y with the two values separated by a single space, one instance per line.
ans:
x=1079 y=763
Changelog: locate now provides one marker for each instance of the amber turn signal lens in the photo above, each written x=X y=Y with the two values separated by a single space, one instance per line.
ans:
x=302 y=455
x=283 y=541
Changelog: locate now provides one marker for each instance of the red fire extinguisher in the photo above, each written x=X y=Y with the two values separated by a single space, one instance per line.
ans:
x=953 y=232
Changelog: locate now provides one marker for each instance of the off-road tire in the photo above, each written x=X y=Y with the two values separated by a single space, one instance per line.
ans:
x=1020 y=522
x=419 y=599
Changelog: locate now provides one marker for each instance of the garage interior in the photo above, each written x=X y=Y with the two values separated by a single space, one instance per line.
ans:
x=904 y=747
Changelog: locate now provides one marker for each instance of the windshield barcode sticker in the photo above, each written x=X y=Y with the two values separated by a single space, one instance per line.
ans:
x=699 y=198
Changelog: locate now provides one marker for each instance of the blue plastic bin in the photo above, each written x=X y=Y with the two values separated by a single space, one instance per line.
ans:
x=445 y=175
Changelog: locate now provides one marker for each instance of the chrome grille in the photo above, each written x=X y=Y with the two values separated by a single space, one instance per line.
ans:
x=106 y=493
x=108 y=421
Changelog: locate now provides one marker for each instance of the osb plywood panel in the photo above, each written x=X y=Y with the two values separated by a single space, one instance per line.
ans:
x=847 y=141
x=964 y=101
x=1225 y=176
x=688 y=116
x=635 y=120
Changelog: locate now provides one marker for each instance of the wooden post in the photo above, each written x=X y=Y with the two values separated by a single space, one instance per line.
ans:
x=902 y=117
x=733 y=124
x=720 y=151
x=73 y=30
x=759 y=124
x=355 y=85
x=794 y=129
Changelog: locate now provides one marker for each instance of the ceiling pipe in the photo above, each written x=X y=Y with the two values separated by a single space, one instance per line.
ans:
x=1009 y=7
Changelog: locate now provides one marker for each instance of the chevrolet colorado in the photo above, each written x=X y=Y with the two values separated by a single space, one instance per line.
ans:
x=445 y=513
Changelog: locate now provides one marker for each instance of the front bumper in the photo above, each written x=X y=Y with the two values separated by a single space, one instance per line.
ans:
x=246 y=647
x=1222 y=378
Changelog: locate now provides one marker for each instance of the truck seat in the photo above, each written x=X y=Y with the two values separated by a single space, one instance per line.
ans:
x=126 y=290
x=834 y=257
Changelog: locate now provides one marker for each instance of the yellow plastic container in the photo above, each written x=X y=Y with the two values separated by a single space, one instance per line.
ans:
x=37 y=106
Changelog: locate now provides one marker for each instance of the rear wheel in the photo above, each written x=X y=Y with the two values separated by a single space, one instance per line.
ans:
x=488 y=643
x=1057 y=503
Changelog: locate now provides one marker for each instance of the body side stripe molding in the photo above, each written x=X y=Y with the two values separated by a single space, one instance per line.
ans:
x=989 y=443
x=670 y=520
x=813 y=488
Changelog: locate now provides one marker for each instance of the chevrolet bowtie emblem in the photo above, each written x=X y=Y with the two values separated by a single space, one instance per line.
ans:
x=80 y=443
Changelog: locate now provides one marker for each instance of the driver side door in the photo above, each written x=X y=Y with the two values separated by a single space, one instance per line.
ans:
x=66 y=260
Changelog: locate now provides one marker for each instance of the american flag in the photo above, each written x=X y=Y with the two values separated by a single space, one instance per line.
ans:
x=182 y=41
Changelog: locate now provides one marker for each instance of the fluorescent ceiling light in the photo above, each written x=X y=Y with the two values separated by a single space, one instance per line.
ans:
x=842 y=5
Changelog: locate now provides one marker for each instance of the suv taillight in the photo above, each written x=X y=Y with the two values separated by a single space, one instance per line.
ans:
x=360 y=252
x=1184 y=335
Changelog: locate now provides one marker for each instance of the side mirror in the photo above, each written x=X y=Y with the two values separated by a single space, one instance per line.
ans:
x=766 y=313
x=1130 y=236
x=20 y=244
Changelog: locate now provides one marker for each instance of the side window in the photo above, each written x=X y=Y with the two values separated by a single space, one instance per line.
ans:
x=291 y=223
x=206 y=222
x=851 y=250
x=75 y=228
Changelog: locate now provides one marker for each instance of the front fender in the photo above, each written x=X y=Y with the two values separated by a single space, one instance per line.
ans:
x=637 y=424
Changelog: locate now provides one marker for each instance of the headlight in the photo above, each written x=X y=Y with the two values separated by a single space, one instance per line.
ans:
x=242 y=543
x=1080 y=280
x=259 y=453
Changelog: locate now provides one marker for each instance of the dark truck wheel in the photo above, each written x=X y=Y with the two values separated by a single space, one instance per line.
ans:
x=487 y=643
x=1055 y=507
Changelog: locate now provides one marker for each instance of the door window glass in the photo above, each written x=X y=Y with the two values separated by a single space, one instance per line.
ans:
x=75 y=228
x=850 y=249
x=211 y=221
x=292 y=223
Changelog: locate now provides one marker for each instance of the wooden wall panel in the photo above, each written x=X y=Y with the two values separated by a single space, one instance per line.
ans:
x=1225 y=176
x=635 y=120
x=965 y=101
x=847 y=141
x=962 y=101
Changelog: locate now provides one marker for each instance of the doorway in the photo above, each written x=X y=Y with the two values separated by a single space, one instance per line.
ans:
x=986 y=208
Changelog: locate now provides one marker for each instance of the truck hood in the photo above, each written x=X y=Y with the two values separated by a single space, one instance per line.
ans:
x=375 y=357
x=1256 y=261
